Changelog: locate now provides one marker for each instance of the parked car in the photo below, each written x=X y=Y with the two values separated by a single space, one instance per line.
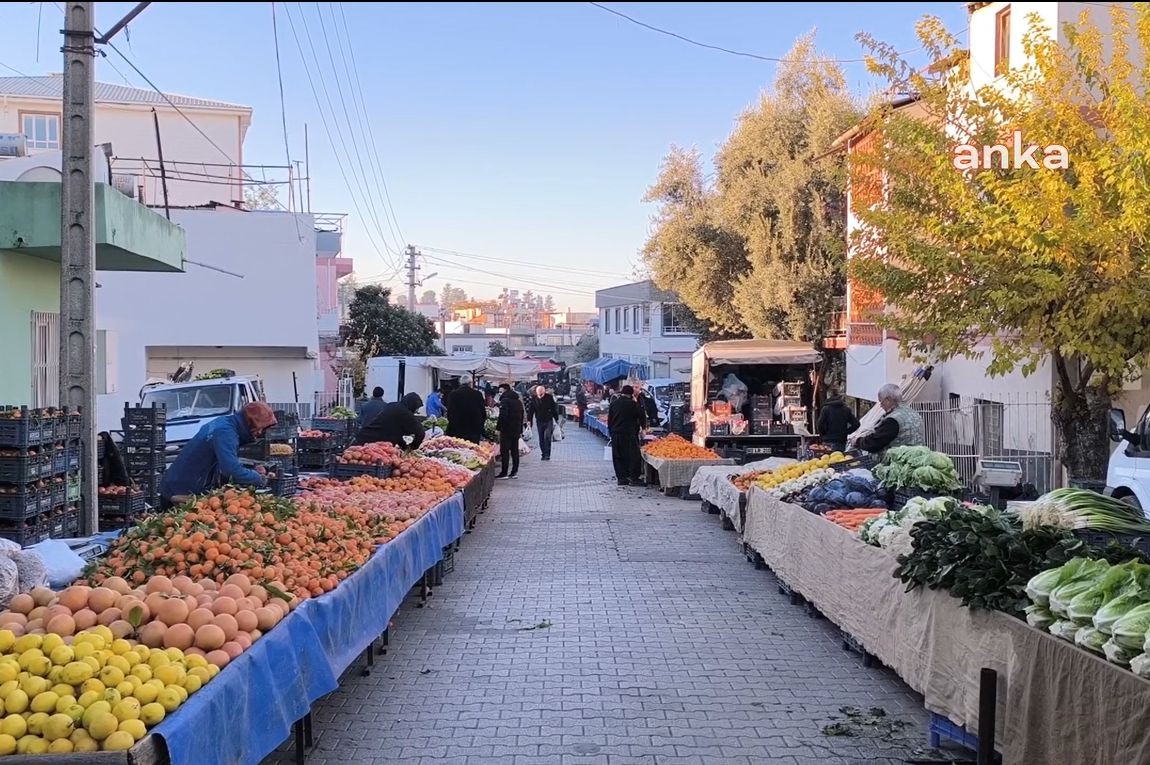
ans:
x=1128 y=474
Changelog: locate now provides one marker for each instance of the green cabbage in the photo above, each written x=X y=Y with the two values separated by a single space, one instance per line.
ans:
x=1086 y=577
x=1039 y=617
x=1039 y=587
x=1090 y=639
x=1129 y=632
x=1119 y=654
x=1063 y=629
x=940 y=461
x=1114 y=609
x=1082 y=607
x=1140 y=665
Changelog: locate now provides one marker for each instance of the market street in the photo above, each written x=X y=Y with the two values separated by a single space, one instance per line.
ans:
x=586 y=623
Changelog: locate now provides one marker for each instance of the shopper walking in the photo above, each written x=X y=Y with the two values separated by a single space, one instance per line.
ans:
x=466 y=412
x=624 y=420
x=836 y=422
x=510 y=426
x=545 y=413
x=581 y=404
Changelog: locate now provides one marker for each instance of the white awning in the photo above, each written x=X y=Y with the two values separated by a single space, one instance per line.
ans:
x=776 y=352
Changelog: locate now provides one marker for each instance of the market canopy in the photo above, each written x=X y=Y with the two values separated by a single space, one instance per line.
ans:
x=777 y=352
x=502 y=367
x=604 y=370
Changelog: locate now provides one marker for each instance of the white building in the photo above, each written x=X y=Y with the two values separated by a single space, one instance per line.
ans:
x=645 y=326
x=969 y=412
x=260 y=321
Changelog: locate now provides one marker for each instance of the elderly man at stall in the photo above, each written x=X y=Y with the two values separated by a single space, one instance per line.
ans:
x=900 y=424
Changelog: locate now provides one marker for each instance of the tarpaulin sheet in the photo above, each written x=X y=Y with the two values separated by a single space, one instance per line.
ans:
x=603 y=370
x=488 y=366
x=273 y=683
x=713 y=484
x=595 y=425
x=771 y=352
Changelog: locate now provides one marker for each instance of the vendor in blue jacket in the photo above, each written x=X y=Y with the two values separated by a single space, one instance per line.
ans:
x=211 y=459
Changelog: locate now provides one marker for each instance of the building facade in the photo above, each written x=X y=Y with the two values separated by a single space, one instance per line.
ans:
x=646 y=326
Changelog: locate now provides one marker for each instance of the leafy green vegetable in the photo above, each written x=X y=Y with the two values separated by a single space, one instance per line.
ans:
x=1090 y=639
x=1129 y=632
x=917 y=467
x=983 y=557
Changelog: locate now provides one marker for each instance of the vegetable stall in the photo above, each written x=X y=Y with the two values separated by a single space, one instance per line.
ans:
x=232 y=612
x=1053 y=596
x=672 y=461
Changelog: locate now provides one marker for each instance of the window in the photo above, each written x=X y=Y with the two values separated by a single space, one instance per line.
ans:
x=1002 y=42
x=646 y=311
x=626 y=319
x=606 y=321
x=617 y=330
x=41 y=131
x=991 y=421
x=635 y=319
x=462 y=348
x=674 y=319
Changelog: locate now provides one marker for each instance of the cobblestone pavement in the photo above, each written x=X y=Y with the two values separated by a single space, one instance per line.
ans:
x=590 y=624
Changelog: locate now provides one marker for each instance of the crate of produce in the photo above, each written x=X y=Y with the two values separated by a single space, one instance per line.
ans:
x=22 y=428
x=316 y=441
x=65 y=459
x=314 y=460
x=341 y=429
x=283 y=464
x=73 y=425
x=58 y=491
x=25 y=534
x=23 y=466
x=71 y=523
x=144 y=462
x=286 y=427
x=120 y=501
x=143 y=416
x=283 y=484
x=18 y=503
x=57 y=522
x=73 y=486
x=348 y=470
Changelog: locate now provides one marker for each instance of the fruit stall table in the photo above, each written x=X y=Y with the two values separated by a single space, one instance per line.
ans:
x=1056 y=702
x=675 y=475
x=712 y=484
x=596 y=425
x=477 y=492
x=246 y=711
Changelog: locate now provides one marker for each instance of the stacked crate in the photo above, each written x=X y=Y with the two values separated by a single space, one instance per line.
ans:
x=762 y=415
x=317 y=451
x=39 y=474
x=145 y=438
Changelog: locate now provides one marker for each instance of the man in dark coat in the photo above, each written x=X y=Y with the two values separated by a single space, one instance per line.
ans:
x=581 y=403
x=466 y=412
x=836 y=422
x=650 y=408
x=545 y=412
x=510 y=426
x=624 y=420
x=394 y=423
x=372 y=407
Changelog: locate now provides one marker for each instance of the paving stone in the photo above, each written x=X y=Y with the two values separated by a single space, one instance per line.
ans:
x=589 y=623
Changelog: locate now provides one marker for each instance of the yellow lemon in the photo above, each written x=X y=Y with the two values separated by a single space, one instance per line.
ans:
x=88 y=744
x=213 y=669
x=134 y=727
x=119 y=662
x=76 y=673
x=59 y=726
x=83 y=649
x=180 y=691
x=111 y=676
x=8 y=671
x=33 y=685
x=195 y=660
x=32 y=745
x=152 y=713
x=76 y=712
x=8 y=687
x=201 y=672
x=128 y=709
x=66 y=702
x=50 y=643
x=87 y=698
x=60 y=746
x=121 y=647
x=192 y=683
x=7 y=743
x=26 y=642
x=61 y=689
x=44 y=702
x=16 y=702
x=175 y=654
x=92 y=662
x=97 y=709
x=112 y=696
x=137 y=655
x=142 y=671
x=14 y=725
x=169 y=698
x=146 y=693
x=93 y=684
x=126 y=688
x=171 y=674
x=158 y=659
x=102 y=726
x=36 y=723
x=39 y=665
x=119 y=741
x=7 y=639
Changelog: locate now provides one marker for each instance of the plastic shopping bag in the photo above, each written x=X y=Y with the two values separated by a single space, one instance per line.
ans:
x=557 y=432
x=523 y=447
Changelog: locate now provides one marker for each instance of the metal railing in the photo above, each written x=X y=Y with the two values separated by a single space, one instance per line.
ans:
x=1015 y=427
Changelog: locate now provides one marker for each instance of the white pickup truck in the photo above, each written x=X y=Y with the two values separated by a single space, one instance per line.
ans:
x=191 y=405
x=1128 y=474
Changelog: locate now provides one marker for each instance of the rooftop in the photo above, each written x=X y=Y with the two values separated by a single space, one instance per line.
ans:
x=49 y=86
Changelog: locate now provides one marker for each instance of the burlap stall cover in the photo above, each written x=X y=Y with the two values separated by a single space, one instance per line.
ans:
x=675 y=473
x=1058 y=704
x=713 y=484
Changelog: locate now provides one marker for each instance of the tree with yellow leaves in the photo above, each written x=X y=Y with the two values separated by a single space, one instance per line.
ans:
x=1015 y=264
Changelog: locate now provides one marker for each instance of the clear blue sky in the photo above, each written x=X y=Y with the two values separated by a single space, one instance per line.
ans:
x=522 y=132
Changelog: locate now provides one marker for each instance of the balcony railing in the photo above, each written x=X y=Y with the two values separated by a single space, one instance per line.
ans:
x=864 y=333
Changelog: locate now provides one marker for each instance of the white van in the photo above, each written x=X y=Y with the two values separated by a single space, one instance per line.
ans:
x=1128 y=474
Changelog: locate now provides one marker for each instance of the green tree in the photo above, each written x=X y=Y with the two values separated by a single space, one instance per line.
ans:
x=497 y=348
x=451 y=296
x=587 y=349
x=761 y=251
x=428 y=297
x=377 y=327
x=1020 y=267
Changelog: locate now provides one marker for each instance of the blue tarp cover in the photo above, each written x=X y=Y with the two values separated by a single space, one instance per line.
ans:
x=596 y=425
x=603 y=370
x=246 y=711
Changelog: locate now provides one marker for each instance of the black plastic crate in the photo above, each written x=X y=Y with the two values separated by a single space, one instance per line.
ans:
x=286 y=427
x=25 y=534
x=74 y=426
x=24 y=468
x=143 y=416
x=320 y=461
x=25 y=502
x=57 y=524
x=65 y=460
x=145 y=438
x=130 y=504
x=345 y=470
x=284 y=484
x=71 y=523
x=144 y=462
x=315 y=444
x=73 y=486
x=1104 y=538
x=25 y=432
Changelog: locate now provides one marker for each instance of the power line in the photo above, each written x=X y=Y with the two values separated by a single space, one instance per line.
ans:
x=283 y=105
x=540 y=266
x=732 y=52
x=518 y=278
x=370 y=124
x=331 y=140
x=39 y=84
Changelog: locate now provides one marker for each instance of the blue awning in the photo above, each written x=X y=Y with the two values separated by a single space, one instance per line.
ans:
x=604 y=370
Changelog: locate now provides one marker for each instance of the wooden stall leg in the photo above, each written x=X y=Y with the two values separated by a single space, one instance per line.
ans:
x=383 y=639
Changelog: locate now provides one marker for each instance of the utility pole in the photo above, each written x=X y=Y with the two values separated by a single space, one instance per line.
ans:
x=77 y=245
x=412 y=282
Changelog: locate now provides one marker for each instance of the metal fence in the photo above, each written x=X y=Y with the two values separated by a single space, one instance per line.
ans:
x=321 y=405
x=1015 y=427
